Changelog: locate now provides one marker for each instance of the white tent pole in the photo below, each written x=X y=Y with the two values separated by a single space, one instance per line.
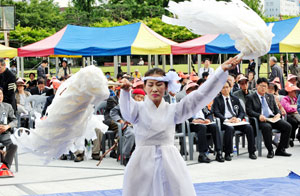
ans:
x=149 y=61
x=256 y=68
x=220 y=59
x=199 y=59
x=128 y=64
x=164 y=62
x=83 y=61
x=287 y=67
x=268 y=67
x=171 y=61
x=189 y=63
x=22 y=67
x=88 y=61
x=18 y=67
x=115 y=66
x=56 y=66
x=156 y=60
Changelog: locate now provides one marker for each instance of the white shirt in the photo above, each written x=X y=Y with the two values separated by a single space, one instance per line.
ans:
x=228 y=115
x=203 y=69
x=260 y=97
x=199 y=115
x=172 y=99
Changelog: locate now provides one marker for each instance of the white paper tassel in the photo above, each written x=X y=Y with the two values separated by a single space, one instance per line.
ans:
x=253 y=37
x=70 y=116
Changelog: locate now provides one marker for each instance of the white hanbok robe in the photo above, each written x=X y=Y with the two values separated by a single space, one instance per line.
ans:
x=156 y=167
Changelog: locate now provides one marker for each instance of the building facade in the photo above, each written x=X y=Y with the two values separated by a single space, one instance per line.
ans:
x=275 y=8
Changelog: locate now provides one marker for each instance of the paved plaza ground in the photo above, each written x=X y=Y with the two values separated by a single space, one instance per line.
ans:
x=67 y=176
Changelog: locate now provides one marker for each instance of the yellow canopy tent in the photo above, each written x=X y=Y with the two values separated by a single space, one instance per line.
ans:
x=8 y=52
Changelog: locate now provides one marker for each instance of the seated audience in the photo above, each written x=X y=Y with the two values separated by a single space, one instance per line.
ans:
x=273 y=90
x=141 y=62
x=40 y=89
x=21 y=96
x=206 y=68
x=128 y=131
x=252 y=81
x=32 y=82
x=136 y=74
x=236 y=85
x=205 y=75
x=65 y=70
x=228 y=108
x=261 y=106
x=8 y=121
x=289 y=103
x=244 y=90
x=55 y=84
x=201 y=125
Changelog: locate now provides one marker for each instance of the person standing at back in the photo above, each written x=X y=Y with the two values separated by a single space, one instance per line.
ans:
x=276 y=71
x=206 y=68
x=41 y=72
x=8 y=84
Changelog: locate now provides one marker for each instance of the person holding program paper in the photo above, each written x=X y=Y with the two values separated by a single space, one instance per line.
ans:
x=228 y=108
x=201 y=123
x=262 y=106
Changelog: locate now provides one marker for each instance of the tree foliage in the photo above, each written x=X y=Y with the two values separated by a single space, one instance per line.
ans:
x=38 y=19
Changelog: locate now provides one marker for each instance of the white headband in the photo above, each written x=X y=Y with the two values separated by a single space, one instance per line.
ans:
x=171 y=77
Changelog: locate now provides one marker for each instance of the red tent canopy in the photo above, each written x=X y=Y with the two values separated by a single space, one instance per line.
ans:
x=195 y=46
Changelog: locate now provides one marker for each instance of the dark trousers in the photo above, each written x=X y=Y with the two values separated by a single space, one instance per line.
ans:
x=201 y=131
x=285 y=129
x=10 y=149
x=229 y=133
x=293 y=121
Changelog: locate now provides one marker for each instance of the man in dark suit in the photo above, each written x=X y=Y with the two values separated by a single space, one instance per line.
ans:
x=229 y=109
x=200 y=124
x=262 y=105
x=276 y=71
x=41 y=72
x=236 y=70
x=40 y=88
x=8 y=84
x=251 y=66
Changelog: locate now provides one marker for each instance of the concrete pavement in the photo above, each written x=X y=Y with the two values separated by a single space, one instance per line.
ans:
x=67 y=176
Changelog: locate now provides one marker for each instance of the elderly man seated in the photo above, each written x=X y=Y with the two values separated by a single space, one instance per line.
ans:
x=128 y=133
x=7 y=122
x=244 y=90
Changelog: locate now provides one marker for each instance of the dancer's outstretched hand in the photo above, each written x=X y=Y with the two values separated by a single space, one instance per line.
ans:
x=231 y=63
x=125 y=84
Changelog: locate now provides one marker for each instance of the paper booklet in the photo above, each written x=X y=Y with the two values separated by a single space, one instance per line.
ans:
x=273 y=120
x=204 y=123
x=236 y=124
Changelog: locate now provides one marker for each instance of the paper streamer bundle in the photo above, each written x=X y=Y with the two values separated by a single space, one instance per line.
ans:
x=253 y=38
x=70 y=116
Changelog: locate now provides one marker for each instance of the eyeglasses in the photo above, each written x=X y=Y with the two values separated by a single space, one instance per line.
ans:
x=263 y=86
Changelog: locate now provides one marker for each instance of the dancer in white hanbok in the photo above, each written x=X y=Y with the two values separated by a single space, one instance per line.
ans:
x=156 y=168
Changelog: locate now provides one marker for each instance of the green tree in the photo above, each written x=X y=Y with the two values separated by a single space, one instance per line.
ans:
x=39 y=14
x=84 y=5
